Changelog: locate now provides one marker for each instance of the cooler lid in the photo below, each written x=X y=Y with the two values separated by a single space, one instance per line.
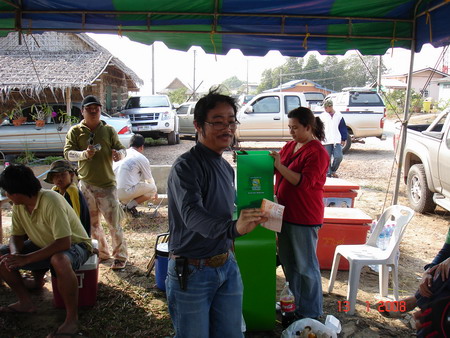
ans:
x=346 y=216
x=163 y=247
x=338 y=184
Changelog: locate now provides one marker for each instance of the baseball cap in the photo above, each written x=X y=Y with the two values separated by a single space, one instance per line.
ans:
x=328 y=103
x=90 y=99
x=59 y=166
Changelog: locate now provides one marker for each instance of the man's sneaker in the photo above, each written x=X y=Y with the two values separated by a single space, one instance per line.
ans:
x=133 y=211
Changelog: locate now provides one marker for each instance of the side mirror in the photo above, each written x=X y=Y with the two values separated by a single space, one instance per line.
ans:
x=248 y=110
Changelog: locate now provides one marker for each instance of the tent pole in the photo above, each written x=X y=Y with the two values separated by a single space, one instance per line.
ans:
x=404 y=124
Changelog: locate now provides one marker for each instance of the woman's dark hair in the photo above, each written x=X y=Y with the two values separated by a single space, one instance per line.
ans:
x=19 y=179
x=306 y=118
x=210 y=101
x=137 y=140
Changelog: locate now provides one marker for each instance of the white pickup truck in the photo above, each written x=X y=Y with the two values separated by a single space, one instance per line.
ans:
x=264 y=118
x=426 y=162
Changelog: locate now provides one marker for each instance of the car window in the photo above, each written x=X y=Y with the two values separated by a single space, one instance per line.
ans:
x=183 y=110
x=365 y=99
x=147 y=102
x=270 y=104
x=291 y=103
x=314 y=97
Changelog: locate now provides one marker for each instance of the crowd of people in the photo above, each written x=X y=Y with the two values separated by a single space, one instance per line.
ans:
x=53 y=229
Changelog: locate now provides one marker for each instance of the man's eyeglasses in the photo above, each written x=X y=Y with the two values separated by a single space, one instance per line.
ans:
x=91 y=139
x=222 y=126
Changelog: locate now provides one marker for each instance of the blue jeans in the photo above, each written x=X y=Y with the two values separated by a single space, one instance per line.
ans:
x=78 y=254
x=297 y=250
x=211 y=305
x=336 y=156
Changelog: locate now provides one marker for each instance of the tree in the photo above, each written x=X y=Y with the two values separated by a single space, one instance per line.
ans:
x=232 y=83
x=178 y=95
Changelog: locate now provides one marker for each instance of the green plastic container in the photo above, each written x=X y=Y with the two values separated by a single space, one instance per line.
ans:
x=256 y=251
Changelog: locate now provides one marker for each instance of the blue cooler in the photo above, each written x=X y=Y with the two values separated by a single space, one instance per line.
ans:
x=162 y=259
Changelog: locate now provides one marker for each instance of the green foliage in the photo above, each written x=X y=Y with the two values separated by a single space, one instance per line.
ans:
x=41 y=112
x=66 y=118
x=232 y=83
x=442 y=105
x=178 y=96
x=395 y=102
x=26 y=157
x=331 y=73
x=50 y=159
x=16 y=112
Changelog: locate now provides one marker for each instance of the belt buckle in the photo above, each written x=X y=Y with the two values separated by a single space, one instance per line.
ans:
x=217 y=260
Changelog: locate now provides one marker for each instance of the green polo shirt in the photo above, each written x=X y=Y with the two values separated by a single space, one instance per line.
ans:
x=447 y=239
x=97 y=170
x=52 y=218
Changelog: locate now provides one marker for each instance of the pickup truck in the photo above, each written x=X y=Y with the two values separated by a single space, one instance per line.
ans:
x=426 y=163
x=152 y=116
x=264 y=118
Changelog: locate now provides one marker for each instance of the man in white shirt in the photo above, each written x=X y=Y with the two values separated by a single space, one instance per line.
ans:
x=135 y=183
x=335 y=136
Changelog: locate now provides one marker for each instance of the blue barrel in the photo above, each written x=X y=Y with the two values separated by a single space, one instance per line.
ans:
x=162 y=259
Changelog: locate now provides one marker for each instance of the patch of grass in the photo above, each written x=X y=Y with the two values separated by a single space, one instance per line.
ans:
x=26 y=157
x=151 y=142
x=50 y=159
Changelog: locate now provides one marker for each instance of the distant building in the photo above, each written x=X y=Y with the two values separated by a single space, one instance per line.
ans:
x=302 y=85
x=419 y=82
x=175 y=85
x=64 y=68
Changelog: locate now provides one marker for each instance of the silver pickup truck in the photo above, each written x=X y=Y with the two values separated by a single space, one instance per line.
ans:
x=426 y=162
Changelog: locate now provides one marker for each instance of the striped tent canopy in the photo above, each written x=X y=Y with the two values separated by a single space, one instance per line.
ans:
x=292 y=27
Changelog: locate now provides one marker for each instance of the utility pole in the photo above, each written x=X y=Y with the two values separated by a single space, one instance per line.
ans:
x=247 y=75
x=194 y=94
x=379 y=75
x=153 y=68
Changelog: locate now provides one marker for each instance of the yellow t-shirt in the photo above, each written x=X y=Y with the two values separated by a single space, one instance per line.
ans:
x=52 y=218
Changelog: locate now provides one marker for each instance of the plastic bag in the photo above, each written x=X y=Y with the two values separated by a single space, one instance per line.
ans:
x=315 y=325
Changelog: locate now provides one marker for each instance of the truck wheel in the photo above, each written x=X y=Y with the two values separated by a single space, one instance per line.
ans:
x=348 y=144
x=177 y=139
x=172 y=138
x=420 y=197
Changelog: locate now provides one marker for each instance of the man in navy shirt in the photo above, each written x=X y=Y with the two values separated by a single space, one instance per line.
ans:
x=204 y=286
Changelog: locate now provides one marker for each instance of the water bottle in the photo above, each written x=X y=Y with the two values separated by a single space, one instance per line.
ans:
x=287 y=304
x=381 y=241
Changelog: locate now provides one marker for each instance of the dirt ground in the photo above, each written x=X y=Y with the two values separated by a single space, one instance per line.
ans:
x=129 y=304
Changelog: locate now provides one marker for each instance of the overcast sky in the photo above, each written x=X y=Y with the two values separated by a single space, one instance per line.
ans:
x=210 y=70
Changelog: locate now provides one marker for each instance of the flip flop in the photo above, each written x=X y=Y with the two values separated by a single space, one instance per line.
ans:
x=10 y=309
x=118 y=265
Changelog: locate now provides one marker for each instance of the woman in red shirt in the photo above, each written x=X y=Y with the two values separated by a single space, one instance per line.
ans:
x=301 y=168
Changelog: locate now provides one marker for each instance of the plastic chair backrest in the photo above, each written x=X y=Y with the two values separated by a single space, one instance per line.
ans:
x=400 y=216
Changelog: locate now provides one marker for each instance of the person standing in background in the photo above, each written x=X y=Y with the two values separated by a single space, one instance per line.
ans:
x=335 y=136
x=301 y=168
x=95 y=145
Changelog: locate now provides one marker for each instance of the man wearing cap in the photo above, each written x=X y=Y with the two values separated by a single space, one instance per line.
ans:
x=95 y=145
x=135 y=183
x=335 y=136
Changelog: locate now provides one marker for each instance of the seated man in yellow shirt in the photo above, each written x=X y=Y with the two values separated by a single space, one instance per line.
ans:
x=46 y=233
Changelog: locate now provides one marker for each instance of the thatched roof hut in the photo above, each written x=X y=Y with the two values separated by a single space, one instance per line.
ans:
x=62 y=67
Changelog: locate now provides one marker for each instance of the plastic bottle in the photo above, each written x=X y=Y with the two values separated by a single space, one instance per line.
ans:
x=287 y=303
x=381 y=241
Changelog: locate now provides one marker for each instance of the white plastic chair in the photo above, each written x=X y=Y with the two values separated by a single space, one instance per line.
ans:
x=369 y=254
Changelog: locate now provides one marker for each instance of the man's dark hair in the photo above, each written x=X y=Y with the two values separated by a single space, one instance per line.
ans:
x=137 y=140
x=306 y=118
x=19 y=179
x=210 y=101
